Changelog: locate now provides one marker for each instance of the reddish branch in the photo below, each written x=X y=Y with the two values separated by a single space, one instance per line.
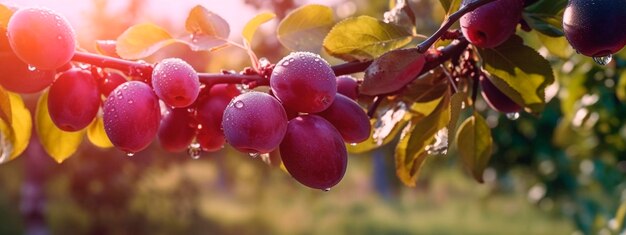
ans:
x=113 y=63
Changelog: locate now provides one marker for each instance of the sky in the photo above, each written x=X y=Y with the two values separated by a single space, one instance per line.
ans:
x=235 y=12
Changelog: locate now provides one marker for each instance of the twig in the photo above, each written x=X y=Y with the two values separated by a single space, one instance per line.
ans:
x=423 y=47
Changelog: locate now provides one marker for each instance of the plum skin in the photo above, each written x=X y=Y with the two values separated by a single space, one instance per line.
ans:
x=210 y=113
x=349 y=118
x=493 y=23
x=132 y=116
x=348 y=86
x=304 y=82
x=313 y=152
x=254 y=122
x=176 y=131
x=175 y=82
x=41 y=37
x=74 y=100
x=593 y=28
x=496 y=99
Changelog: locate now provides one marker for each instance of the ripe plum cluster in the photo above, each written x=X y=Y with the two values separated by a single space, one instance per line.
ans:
x=306 y=119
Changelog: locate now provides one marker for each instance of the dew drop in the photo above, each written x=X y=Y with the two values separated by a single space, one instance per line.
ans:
x=130 y=101
x=254 y=155
x=31 y=68
x=326 y=189
x=239 y=104
x=603 y=60
x=194 y=150
x=286 y=63
x=125 y=87
x=264 y=62
x=130 y=154
x=512 y=116
x=353 y=144
x=243 y=88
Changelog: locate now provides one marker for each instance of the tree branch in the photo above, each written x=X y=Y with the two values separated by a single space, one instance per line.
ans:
x=423 y=47
x=112 y=62
x=351 y=67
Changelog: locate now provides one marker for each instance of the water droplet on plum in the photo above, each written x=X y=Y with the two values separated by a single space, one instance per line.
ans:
x=512 y=116
x=603 y=60
x=239 y=104
x=194 y=150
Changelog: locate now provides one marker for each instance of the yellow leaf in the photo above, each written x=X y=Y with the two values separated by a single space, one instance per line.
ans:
x=142 y=40
x=305 y=28
x=364 y=38
x=96 y=134
x=58 y=144
x=5 y=15
x=411 y=154
x=15 y=137
x=253 y=25
x=5 y=106
x=204 y=22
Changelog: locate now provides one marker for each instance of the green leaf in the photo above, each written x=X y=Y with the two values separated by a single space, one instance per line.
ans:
x=546 y=16
x=385 y=129
x=426 y=88
x=474 y=145
x=410 y=153
x=304 y=28
x=620 y=89
x=364 y=38
x=456 y=106
x=519 y=71
x=142 y=40
x=559 y=47
x=450 y=6
x=392 y=71
x=57 y=143
x=620 y=216
x=253 y=25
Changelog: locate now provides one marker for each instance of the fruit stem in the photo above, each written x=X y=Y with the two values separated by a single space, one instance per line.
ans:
x=371 y=110
x=454 y=17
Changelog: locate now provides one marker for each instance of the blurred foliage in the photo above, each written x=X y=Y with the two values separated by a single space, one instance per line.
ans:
x=554 y=173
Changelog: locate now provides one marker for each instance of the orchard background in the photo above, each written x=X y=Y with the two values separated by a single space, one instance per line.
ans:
x=551 y=163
